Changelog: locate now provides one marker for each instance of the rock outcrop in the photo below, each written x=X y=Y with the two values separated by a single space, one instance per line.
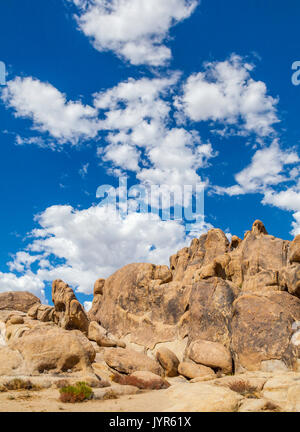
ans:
x=68 y=312
x=238 y=294
x=18 y=301
x=222 y=308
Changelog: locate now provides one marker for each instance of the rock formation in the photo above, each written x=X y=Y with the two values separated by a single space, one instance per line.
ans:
x=221 y=308
x=242 y=295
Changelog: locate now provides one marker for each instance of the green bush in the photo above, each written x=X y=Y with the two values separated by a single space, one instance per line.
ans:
x=76 y=393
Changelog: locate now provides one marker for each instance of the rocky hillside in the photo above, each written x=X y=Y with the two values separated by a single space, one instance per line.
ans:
x=220 y=309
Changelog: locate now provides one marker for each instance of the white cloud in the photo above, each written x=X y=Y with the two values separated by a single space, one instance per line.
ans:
x=266 y=169
x=137 y=117
x=84 y=245
x=272 y=174
x=27 y=282
x=288 y=199
x=121 y=155
x=49 y=110
x=226 y=93
x=84 y=170
x=87 y=305
x=135 y=30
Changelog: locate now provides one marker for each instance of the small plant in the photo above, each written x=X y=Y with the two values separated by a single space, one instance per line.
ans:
x=271 y=406
x=79 y=392
x=19 y=384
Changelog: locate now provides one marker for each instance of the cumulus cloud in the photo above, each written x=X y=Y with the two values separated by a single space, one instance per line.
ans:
x=27 y=282
x=49 y=110
x=289 y=200
x=81 y=246
x=134 y=30
x=137 y=116
x=225 y=92
x=273 y=172
x=266 y=169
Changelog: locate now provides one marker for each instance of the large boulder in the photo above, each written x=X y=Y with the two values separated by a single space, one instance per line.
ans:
x=201 y=397
x=140 y=300
x=128 y=361
x=18 y=301
x=262 y=329
x=192 y=370
x=294 y=251
x=98 y=293
x=211 y=354
x=211 y=310
x=143 y=380
x=11 y=362
x=168 y=361
x=200 y=253
x=68 y=312
x=48 y=348
x=99 y=335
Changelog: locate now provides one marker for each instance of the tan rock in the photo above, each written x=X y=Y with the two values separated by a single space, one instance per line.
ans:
x=18 y=301
x=294 y=252
x=129 y=361
x=201 y=397
x=11 y=362
x=98 y=293
x=192 y=370
x=211 y=309
x=15 y=319
x=144 y=380
x=99 y=335
x=135 y=302
x=69 y=313
x=47 y=348
x=168 y=361
x=259 y=405
x=257 y=332
x=211 y=354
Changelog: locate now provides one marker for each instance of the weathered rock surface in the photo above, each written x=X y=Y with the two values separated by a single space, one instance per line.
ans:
x=140 y=299
x=230 y=308
x=99 y=335
x=143 y=380
x=68 y=312
x=262 y=329
x=211 y=354
x=129 y=361
x=168 y=361
x=48 y=348
x=191 y=370
x=93 y=313
x=18 y=301
x=201 y=397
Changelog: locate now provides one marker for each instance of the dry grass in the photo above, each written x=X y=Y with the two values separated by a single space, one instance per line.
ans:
x=18 y=384
x=271 y=406
x=244 y=388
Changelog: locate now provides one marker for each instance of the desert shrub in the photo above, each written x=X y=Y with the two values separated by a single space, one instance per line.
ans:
x=141 y=384
x=20 y=384
x=243 y=388
x=271 y=406
x=79 y=392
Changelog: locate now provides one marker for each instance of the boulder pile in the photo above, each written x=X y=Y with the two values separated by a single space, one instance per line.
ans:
x=221 y=308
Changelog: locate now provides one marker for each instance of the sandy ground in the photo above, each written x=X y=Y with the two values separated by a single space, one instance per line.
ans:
x=47 y=401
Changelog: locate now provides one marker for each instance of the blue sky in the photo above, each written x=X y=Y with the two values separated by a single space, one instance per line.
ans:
x=176 y=92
